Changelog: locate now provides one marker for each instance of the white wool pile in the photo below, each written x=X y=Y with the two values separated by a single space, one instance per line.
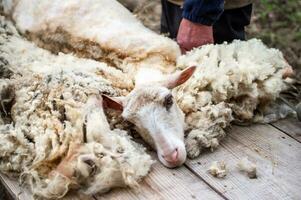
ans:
x=245 y=165
x=218 y=169
x=232 y=82
x=102 y=30
x=59 y=138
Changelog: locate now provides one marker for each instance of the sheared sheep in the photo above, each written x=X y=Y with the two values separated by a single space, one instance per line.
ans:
x=228 y=76
x=92 y=29
x=172 y=153
x=210 y=102
x=48 y=118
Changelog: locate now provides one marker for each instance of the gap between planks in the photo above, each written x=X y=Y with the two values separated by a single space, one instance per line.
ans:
x=289 y=126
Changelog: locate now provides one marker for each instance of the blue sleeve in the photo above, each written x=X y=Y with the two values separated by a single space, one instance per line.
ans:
x=203 y=11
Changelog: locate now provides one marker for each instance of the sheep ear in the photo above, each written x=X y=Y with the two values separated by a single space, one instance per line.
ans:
x=178 y=78
x=115 y=103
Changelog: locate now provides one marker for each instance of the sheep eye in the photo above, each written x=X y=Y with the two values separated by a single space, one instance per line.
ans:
x=168 y=101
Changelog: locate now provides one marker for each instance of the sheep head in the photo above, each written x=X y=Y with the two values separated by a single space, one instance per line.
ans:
x=157 y=117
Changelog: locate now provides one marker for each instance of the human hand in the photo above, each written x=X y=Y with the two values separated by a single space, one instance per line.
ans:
x=192 y=35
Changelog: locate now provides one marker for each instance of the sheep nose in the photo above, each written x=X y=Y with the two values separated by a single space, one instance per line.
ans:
x=172 y=157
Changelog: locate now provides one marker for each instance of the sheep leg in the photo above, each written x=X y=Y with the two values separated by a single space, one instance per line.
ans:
x=97 y=126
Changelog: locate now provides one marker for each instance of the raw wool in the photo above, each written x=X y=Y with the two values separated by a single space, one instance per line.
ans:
x=218 y=169
x=206 y=127
x=60 y=139
x=22 y=55
x=245 y=165
x=102 y=30
x=234 y=81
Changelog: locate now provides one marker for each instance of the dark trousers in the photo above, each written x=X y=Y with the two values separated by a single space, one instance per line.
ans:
x=230 y=25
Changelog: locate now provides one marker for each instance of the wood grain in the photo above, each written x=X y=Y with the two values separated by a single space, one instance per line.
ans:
x=163 y=183
x=278 y=159
x=290 y=126
x=277 y=155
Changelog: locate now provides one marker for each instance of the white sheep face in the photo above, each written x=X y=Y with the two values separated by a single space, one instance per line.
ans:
x=157 y=117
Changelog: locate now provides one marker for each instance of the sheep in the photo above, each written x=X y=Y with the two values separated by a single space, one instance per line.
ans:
x=223 y=82
x=51 y=92
x=59 y=138
x=176 y=148
x=139 y=48
x=210 y=103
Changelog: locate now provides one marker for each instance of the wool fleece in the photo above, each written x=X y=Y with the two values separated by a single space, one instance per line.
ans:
x=56 y=137
x=233 y=82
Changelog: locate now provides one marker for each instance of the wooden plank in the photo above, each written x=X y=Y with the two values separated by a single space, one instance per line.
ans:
x=20 y=193
x=163 y=183
x=290 y=126
x=278 y=159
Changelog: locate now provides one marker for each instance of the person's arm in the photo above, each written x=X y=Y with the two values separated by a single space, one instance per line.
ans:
x=196 y=26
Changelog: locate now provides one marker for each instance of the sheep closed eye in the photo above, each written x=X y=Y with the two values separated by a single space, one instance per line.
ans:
x=168 y=101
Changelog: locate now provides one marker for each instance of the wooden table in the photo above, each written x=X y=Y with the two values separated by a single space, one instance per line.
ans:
x=276 y=149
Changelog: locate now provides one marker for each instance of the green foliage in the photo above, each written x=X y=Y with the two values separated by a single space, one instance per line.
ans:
x=278 y=24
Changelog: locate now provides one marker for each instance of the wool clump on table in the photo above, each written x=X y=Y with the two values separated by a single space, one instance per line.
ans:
x=218 y=169
x=250 y=168
x=58 y=138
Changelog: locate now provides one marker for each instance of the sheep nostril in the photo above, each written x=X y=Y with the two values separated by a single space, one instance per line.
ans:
x=173 y=157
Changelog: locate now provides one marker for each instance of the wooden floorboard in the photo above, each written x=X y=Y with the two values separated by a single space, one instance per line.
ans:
x=163 y=183
x=278 y=159
x=291 y=126
x=277 y=155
